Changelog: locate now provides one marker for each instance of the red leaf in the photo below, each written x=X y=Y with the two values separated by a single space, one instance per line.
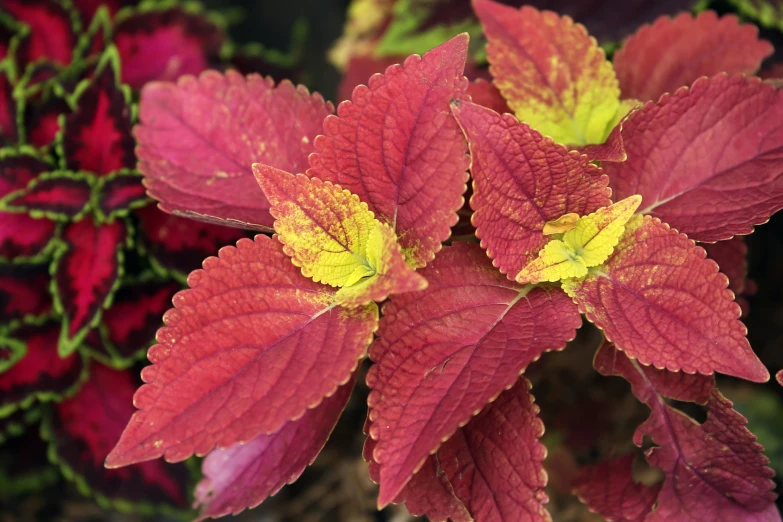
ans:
x=472 y=333
x=608 y=488
x=706 y=160
x=130 y=324
x=521 y=180
x=24 y=292
x=396 y=146
x=51 y=34
x=97 y=136
x=661 y=302
x=9 y=131
x=41 y=374
x=243 y=476
x=714 y=471
x=87 y=8
x=610 y=150
x=86 y=276
x=495 y=463
x=120 y=192
x=198 y=139
x=360 y=69
x=82 y=430
x=17 y=169
x=181 y=244
x=164 y=44
x=487 y=95
x=707 y=44
x=22 y=236
x=427 y=493
x=252 y=345
x=58 y=195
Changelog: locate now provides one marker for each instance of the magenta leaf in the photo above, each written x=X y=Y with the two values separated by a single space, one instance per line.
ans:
x=472 y=332
x=244 y=475
x=117 y=193
x=24 y=292
x=42 y=120
x=396 y=146
x=707 y=44
x=86 y=275
x=51 y=30
x=82 y=429
x=706 y=160
x=128 y=327
x=199 y=137
x=58 y=195
x=165 y=43
x=39 y=373
x=179 y=244
x=252 y=345
x=513 y=193
x=608 y=488
x=662 y=302
x=714 y=471
x=97 y=136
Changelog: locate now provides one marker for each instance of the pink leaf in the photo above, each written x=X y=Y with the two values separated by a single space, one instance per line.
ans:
x=252 y=345
x=198 y=138
x=707 y=160
x=243 y=476
x=695 y=46
x=444 y=353
x=396 y=146
x=521 y=180
x=662 y=302
x=714 y=471
x=495 y=463
x=608 y=488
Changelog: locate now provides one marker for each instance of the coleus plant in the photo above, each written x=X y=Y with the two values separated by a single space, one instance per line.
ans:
x=587 y=200
x=78 y=303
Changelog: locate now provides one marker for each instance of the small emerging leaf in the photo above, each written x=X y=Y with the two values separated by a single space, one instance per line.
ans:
x=334 y=238
x=587 y=244
x=561 y=225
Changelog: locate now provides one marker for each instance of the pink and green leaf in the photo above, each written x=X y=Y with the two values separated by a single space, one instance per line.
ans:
x=243 y=476
x=199 y=137
x=57 y=195
x=52 y=33
x=164 y=42
x=522 y=180
x=395 y=145
x=96 y=137
x=82 y=429
x=661 y=302
x=116 y=194
x=86 y=274
x=25 y=238
x=473 y=332
x=282 y=345
x=9 y=128
x=39 y=374
x=706 y=160
x=128 y=327
x=695 y=46
x=551 y=72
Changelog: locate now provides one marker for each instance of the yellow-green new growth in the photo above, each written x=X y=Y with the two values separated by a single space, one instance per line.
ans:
x=589 y=243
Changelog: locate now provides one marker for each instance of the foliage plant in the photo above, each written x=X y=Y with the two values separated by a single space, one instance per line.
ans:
x=594 y=186
x=87 y=264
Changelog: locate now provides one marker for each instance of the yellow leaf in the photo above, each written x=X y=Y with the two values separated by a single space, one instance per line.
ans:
x=561 y=224
x=588 y=244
